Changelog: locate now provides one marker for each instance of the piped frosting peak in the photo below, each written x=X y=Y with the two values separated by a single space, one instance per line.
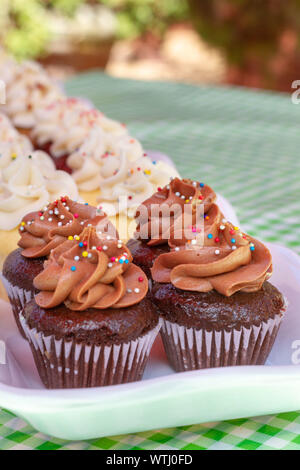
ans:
x=222 y=258
x=92 y=272
x=180 y=200
x=60 y=220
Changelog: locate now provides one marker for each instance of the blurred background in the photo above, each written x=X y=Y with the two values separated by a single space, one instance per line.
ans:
x=253 y=43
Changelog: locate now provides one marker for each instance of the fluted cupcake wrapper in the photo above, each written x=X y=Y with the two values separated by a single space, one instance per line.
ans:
x=190 y=349
x=66 y=364
x=18 y=297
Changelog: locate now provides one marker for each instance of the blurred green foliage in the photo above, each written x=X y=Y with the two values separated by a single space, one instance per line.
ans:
x=242 y=28
x=68 y=7
x=23 y=29
x=136 y=17
x=25 y=33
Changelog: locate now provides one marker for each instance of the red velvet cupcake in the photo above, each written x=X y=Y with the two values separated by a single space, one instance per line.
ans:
x=63 y=126
x=91 y=324
x=40 y=233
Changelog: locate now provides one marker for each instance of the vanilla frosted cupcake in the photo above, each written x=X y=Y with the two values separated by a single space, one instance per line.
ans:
x=64 y=125
x=98 y=152
x=7 y=131
x=28 y=183
x=125 y=187
x=28 y=88
x=10 y=149
x=8 y=66
x=116 y=173
x=12 y=143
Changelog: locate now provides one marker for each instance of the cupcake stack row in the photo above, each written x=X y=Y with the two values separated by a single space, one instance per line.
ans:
x=49 y=141
x=91 y=306
x=89 y=301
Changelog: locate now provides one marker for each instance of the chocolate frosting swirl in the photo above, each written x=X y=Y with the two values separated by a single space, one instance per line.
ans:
x=91 y=273
x=201 y=229
x=43 y=231
x=221 y=257
x=157 y=225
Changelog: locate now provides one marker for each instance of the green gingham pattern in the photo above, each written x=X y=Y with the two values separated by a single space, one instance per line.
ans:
x=246 y=145
x=260 y=433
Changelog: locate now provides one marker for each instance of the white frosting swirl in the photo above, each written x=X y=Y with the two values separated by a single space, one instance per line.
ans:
x=88 y=161
x=66 y=124
x=117 y=167
x=12 y=148
x=126 y=184
x=8 y=67
x=7 y=130
x=27 y=90
x=12 y=143
x=28 y=184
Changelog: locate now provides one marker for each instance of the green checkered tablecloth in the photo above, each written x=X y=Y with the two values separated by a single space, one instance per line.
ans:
x=246 y=145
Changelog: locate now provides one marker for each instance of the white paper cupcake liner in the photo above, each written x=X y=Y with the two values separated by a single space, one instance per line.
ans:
x=18 y=298
x=190 y=349
x=67 y=364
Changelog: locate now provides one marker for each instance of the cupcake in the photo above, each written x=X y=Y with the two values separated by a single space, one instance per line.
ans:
x=91 y=323
x=9 y=134
x=156 y=218
x=213 y=294
x=11 y=147
x=12 y=143
x=63 y=126
x=115 y=172
x=40 y=232
x=28 y=87
x=28 y=183
x=8 y=66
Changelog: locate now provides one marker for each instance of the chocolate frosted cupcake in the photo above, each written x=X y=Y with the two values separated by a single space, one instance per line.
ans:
x=179 y=201
x=212 y=292
x=41 y=232
x=91 y=323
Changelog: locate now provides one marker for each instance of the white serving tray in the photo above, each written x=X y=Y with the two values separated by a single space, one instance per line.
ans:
x=163 y=398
